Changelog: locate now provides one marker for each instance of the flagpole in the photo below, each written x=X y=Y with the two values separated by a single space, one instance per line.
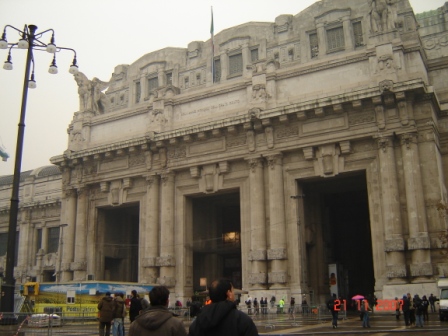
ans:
x=212 y=31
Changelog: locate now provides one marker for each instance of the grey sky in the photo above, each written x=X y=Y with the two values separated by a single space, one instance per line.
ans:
x=105 y=33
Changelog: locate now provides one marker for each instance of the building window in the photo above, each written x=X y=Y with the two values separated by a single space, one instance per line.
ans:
x=53 y=240
x=335 y=39
x=217 y=70
x=3 y=243
x=235 y=65
x=153 y=83
x=291 y=55
x=187 y=82
x=357 y=31
x=169 y=78
x=254 y=55
x=314 y=45
x=198 y=78
x=138 y=92
x=38 y=240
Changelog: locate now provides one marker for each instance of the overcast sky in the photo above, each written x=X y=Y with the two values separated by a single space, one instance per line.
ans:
x=105 y=33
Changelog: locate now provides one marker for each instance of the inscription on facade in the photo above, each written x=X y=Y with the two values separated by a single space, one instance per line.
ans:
x=209 y=109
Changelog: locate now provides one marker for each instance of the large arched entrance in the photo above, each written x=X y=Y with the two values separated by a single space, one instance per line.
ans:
x=338 y=235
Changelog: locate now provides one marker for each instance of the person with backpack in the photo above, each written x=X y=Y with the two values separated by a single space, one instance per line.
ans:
x=334 y=313
x=106 y=309
x=120 y=313
x=418 y=311
x=135 y=307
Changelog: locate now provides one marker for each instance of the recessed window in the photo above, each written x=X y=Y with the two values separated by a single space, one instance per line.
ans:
x=217 y=69
x=198 y=78
x=53 y=240
x=290 y=55
x=254 y=55
x=235 y=65
x=138 y=92
x=357 y=31
x=169 y=78
x=335 y=39
x=187 y=82
x=314 y=45
x=153 y=83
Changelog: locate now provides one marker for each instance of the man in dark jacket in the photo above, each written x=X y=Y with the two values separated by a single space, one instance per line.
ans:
x=157 y=320
x=107 y=310
x=222 y=318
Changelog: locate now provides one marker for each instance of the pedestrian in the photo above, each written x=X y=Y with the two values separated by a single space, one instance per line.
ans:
x=425 y=305
x=334 y=313
x=281 y=304
x=304 y=305
x=222 y=318
x=120 y=313
x=365 y=309
x=106 y=309
x=256 y=307
x=135 y=306
x=405 y=307
x=157 y=320
x=432 y=302
x=272 y=301
x=418 y=308
x=248 y=303
x=411 y=310
x=397 y=308
x=292 y=308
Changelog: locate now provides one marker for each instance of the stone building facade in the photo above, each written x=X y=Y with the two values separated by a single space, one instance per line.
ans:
x=318 y=139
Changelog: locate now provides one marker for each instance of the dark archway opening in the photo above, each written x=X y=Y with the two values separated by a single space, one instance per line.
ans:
x=343 y=222
x=216 y=239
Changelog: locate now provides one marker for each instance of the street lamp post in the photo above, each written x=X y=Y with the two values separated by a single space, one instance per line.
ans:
x=31 y=41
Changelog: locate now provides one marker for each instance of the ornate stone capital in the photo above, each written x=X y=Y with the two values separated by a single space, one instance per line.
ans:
x=419 y=243
x=167 y=177
x=149 y=262
x=78 y=266
x=255 y=163
x=384 y=143
x=258 y=278
x=407 y=139
x=277 y=254
x=423 y=269
x=396 y=271
x=394 y=244
x=257 y=255
x=277 y=277
x=274 y=159
x=166 y=261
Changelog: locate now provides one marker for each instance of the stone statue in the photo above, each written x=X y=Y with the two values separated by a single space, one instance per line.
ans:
x=91 y=96
x=382 y=15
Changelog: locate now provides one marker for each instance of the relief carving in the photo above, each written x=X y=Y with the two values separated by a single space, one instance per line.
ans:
x=277 y=254
x=396 y=244
x=257 y=255
x=78 y=266
x=165 y=261
x=419 y=243
x=277 y=277
x=257 y=278
x=167 y=281
x=383 y=15
x=423 y=269
x=396 y=271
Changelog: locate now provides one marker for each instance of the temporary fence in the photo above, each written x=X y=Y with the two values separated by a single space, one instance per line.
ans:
x=62 y=323
x=271 y=317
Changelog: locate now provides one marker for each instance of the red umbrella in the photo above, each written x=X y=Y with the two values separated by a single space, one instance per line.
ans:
x=358 y=297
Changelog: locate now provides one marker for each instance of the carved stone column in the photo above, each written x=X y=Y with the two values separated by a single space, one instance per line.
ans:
x=166 y=260
x=25 y=240
x=257 y=254
x=390 y=203
x=322 y=40
x=277 y=276
x=79 y=265
x=418 y=242
x=150 y=231
x=348 y=33
x=68 y=247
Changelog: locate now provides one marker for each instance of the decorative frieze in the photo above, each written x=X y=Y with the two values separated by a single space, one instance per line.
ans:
x=258 y=278
x=166 y=281
x=257 y=255
x=394 y=244
x=277 y=254
x=422 y=269
x=396 y=271
x=166 y=261
x=419 y=243
x=286 y=132
x=277 y=277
